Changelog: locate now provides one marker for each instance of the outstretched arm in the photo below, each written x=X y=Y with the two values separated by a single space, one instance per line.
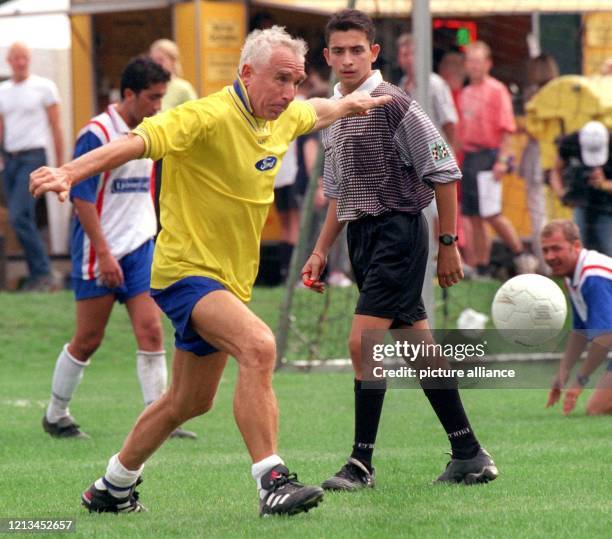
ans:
x=111 y=155
x=357 y=103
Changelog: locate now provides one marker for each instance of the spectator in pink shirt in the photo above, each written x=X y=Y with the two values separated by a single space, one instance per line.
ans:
x=486 y=123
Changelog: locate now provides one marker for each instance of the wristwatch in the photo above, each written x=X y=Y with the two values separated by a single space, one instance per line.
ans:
x=582 y=379
x=447 y=239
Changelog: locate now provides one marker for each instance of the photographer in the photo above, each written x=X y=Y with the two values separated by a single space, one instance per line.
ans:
x=582 y=178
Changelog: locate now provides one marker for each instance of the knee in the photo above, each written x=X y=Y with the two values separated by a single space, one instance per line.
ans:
x=598 y=408
x=354 y=346
x=592 y=409
x=181 y=410
x=260 y=351
x=149 y=335
x=86 y=345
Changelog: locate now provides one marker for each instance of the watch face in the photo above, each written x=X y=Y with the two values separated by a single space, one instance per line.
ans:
x=447 y=239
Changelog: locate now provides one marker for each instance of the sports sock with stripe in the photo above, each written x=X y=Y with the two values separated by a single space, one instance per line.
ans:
x=118 y=479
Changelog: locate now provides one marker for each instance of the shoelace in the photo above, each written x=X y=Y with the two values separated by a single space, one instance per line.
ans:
x=284 y=480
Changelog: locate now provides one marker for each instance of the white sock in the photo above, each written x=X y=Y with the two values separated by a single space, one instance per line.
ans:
x=152 y=374
x=66 y=377
x=259 y=469
x=118 y=479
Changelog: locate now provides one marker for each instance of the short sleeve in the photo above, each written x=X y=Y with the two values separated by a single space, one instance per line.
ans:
x=177 y=129
x=88 y=188
x=304 y=117
x=443 y=103
x=50 y=93
x=597 y=294
x=506 y=115
x=421 y=146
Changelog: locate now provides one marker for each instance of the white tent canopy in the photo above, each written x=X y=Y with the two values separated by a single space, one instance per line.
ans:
x=445 y=7
x=48 y=29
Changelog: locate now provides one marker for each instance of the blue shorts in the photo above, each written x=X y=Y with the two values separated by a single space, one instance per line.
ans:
x=136 y=267
x=609 y=365
x=177 y=301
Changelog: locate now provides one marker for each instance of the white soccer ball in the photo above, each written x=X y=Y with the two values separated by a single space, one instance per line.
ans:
x=529 y=309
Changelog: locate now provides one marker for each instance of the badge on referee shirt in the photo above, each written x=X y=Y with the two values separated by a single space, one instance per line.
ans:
x=439 y=152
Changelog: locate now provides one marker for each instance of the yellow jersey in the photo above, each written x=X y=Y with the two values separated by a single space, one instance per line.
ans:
x=218 y=178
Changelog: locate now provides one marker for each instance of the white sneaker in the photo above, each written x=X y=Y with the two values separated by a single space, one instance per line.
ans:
x=526 y=263
x=339 y=279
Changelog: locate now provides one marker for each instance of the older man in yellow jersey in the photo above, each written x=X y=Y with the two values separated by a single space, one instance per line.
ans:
x=221 y=155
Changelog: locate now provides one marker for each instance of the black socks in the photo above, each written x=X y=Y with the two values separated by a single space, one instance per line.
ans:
x=369 y=398
x=449 y=409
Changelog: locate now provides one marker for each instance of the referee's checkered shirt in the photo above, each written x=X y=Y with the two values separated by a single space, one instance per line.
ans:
x=387 y=160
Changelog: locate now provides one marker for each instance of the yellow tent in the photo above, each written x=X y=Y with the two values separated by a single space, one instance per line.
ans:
x=563 y=106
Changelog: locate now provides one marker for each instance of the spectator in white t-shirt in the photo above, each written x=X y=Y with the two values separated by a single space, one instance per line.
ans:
x=29 y=108
x=442 y=108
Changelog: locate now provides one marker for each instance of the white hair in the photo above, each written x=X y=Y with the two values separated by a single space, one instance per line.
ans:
x=260 y=44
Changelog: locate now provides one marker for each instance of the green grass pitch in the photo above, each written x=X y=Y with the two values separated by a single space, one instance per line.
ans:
x=555 y=471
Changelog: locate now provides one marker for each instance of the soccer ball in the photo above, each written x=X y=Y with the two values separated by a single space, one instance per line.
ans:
x=529 y=309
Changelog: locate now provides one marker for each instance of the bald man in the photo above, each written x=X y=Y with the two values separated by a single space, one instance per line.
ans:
x=29 y=109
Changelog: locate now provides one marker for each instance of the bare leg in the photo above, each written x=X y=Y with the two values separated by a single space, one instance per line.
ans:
x=194 y=384
x=225 y=322
x=467 y=248
x=601 y=400
x=506 y=232
x=360 y=324
x=91 y=318
x=482 y=241
x=146 y=322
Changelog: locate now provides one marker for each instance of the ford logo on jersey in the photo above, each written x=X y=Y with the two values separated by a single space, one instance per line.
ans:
x=266 y=163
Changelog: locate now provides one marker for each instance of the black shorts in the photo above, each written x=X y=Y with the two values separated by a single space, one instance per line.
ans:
x=287 y=198
x=389 y=258
x=473 y=163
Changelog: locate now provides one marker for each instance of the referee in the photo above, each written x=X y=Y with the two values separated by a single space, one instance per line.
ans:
x=381 y=171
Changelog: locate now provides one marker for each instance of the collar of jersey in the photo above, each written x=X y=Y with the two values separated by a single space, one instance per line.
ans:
x=369 y=85
x=241 y=100
x=117 y=121
x=578 y=271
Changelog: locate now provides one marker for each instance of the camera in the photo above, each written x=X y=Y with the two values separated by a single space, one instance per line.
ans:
x=576 y=183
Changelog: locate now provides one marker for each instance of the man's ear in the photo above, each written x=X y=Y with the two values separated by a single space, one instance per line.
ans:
x=128 y=95
x=375 y=50
x=246 y=74
x=326 y=55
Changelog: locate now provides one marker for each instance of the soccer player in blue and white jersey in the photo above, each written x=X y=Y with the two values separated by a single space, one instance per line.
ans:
x=588 y=278
x=112 y=250
x=221 y=154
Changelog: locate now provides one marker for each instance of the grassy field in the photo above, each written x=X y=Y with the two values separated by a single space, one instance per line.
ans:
x=555 y=472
